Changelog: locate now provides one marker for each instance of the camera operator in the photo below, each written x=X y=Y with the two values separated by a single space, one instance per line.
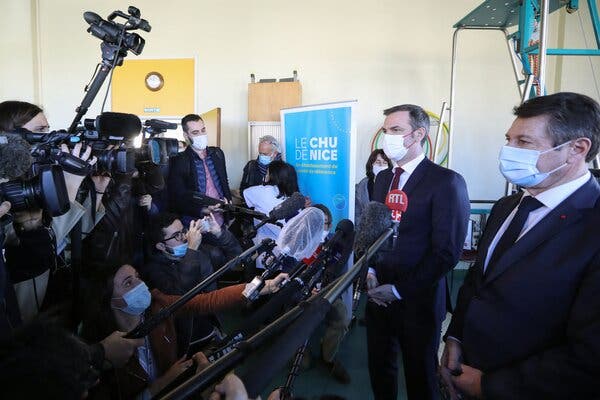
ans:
x=35 y=239
x=15 y=161
x=20 y=114
x=32 y=249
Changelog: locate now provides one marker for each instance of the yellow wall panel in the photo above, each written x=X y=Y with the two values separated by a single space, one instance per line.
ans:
x=175 y=98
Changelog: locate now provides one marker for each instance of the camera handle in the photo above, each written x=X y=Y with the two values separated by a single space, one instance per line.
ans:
x=109 y=52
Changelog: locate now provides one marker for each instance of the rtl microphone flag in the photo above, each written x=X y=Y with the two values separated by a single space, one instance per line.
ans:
x=396 y=201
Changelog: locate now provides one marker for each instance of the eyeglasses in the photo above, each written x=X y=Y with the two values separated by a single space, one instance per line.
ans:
x=179 y=235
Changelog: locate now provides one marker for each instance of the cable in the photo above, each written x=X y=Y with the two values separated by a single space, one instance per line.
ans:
x=589 y=57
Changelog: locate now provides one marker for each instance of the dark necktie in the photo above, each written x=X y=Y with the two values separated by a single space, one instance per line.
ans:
x=396 y=181
x=527 y=205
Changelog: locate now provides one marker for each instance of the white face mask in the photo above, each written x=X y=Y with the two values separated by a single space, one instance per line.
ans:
x=200 y=142
x=393 y=146
x=324 y=235
x=519 y=166
x=378 y=168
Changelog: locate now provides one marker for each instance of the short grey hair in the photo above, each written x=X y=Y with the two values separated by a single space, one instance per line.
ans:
x=271 y=140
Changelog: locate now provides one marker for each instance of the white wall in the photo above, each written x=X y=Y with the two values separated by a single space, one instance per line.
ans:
x=382 y=53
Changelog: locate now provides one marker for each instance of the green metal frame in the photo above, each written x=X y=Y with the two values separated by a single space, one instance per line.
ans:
x=524 y=14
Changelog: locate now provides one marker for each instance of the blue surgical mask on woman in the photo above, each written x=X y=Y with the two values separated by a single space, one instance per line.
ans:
x=519 y=166
x=137 y=300
x=264 y=159
x=179 y=250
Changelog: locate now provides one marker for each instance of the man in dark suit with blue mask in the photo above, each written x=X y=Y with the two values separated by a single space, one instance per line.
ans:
x=527 y=320
x=407 y=287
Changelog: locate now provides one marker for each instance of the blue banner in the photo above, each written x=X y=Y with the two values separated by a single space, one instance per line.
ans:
x=318 y=144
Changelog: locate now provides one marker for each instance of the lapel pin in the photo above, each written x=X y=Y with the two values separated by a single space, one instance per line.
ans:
x=563 y=217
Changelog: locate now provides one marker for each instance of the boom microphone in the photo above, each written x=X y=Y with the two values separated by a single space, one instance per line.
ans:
x=115 y=124
x=15 y=156
x=288 y=208
x=374 y=219
x=284 y=210
x=299 y=239
x=374 y=222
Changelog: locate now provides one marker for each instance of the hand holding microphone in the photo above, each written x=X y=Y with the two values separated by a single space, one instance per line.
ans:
x=297 y=239
x=273 y=285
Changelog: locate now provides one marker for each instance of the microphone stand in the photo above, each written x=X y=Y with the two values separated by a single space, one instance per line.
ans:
x=286 y=390
x=149 y=324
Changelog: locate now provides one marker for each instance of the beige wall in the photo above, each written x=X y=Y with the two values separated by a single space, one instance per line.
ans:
x=381 y=53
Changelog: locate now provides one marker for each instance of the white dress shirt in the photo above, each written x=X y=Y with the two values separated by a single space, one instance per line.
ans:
x=549 y=198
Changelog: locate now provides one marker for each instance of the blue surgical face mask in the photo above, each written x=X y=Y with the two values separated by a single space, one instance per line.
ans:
x=178 y=251
x=519 y=166
x=137 y=300
x=264 y=159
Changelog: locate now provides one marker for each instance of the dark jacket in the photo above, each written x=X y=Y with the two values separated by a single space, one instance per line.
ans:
x=251 y=176
x=532 y=323
x=183 y=180
x=176 y=277
x=433 y=230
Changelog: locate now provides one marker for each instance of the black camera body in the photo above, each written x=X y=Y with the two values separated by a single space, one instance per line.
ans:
x=46 y=190
x=114 y=33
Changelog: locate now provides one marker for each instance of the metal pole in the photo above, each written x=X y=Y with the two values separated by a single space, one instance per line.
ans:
x=527 y=89
x=514 y=62
x=543 y=47
x=439 y=131
x=453 y=83
x=452 y=93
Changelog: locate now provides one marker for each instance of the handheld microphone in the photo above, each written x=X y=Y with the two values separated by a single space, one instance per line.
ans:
x=285 y=210
x=299 y=239
x=396 y=201
x=288 y=208
x=374 y=221
x=204 y=200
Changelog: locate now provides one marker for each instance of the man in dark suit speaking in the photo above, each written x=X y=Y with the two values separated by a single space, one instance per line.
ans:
x=527 y=321
x=407 y=287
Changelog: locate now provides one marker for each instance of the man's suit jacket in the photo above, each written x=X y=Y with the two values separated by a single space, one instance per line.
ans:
x=431 y=235
x=183 y=180
x=532 y=323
